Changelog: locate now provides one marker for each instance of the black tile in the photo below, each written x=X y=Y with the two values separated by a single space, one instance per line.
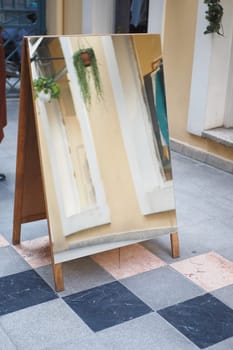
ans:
x=22 y=290
x=106 y=306
x=205 y=320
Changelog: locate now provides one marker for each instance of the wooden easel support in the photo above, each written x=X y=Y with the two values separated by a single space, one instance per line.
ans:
x=58 y=277
x=29 y=203
x=175 y=248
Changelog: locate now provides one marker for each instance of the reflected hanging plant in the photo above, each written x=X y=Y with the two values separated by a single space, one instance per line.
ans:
x=82 y=59
x=214 y=15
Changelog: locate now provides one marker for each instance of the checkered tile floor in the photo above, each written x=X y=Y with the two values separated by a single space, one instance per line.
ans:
x=114 y=299
x=133 y=298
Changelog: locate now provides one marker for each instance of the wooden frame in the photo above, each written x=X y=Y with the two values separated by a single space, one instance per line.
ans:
x=34 y=179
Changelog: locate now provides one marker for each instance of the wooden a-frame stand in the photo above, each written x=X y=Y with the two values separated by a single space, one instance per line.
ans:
x=30 y=203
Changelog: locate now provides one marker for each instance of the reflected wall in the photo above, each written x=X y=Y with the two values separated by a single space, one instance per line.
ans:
x=105 y=134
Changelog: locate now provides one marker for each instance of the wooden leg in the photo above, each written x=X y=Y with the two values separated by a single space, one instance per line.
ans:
x=58 y=277
x=16 y=232
x=175 y=245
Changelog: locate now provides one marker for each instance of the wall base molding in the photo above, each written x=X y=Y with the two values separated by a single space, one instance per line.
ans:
x=202 y=156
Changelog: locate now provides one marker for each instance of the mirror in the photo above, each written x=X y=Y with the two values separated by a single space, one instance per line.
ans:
x=101 y=117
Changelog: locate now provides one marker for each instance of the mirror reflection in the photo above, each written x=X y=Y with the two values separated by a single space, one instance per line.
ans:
x=86 y=86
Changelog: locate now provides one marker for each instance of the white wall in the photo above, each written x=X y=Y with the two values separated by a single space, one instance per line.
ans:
x=209 y=100
x=200 y=74
x=155 y=20
x=98 y=16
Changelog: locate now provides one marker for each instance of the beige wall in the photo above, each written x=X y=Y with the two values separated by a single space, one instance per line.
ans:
x=178 y=46
x=178 y=49
x=148 y=49
x=64 y=16
x=54 y=17
x=72 y=16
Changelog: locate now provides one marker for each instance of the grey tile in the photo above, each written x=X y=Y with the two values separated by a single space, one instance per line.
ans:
x=8 y=164
x=6 y=230
x=5 y=193
x=79 y=275
x=187 y=213
x=11 y=262
x=29 y=231
x=5 y=341
x=225 y=251
x=34 y=229
x=161 y=247
x=189 y=246
x=148 y=332
x=211 y=234
x=225 y=295
x=6 y=222
x=89 y=343
x=204 y=205
x=224 y=345
x=43 y=325
x=162 y=287
x=217 y=208
x=191 y=175
x=6 y=206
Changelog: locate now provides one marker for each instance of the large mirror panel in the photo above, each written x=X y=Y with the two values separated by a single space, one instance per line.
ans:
x=101 y=103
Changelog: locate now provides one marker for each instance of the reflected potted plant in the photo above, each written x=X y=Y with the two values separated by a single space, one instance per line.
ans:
x=46 y=88
x=86 y=66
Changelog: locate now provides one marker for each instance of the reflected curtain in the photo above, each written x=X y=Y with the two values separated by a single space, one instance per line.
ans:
x=155 y=93
x=148 y=82
x=160 y=102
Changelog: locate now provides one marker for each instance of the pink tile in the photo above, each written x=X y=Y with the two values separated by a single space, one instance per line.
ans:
x=210 y=271
x=128 y=261
x=3 y=242
x=36 y=252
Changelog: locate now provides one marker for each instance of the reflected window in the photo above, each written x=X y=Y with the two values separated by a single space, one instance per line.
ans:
x=131 y=16
x=140 y=99
x=70 y=162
